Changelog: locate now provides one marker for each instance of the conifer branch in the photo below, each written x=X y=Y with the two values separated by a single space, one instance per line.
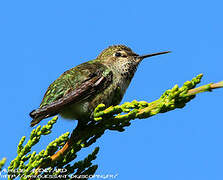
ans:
x=2 y=163
x=112 y=118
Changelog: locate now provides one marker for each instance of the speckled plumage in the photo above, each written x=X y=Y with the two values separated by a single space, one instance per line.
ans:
x=78 y=91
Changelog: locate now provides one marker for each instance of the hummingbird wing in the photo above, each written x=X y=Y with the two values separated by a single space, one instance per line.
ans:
x=74 y=85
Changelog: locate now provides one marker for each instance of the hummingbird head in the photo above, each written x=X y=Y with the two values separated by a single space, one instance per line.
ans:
x=117 y=54
x=122 y=58
x=123 y=54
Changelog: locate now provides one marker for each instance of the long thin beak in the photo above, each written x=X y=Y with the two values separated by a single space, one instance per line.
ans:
x=140 y=58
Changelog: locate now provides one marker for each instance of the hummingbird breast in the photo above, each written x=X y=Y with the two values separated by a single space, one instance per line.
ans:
x=122 y=75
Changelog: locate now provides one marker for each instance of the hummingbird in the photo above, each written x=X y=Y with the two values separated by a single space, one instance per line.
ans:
x=78 y=91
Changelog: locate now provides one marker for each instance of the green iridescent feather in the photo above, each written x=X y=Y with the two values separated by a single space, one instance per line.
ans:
x=70 y=80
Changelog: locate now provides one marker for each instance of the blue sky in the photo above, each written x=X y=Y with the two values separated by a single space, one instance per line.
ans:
x=39 y=40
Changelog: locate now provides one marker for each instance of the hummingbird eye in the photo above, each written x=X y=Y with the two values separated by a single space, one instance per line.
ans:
x=118 y=54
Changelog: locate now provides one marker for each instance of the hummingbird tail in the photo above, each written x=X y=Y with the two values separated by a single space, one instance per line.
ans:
x=36 y=121
x=37 y=117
